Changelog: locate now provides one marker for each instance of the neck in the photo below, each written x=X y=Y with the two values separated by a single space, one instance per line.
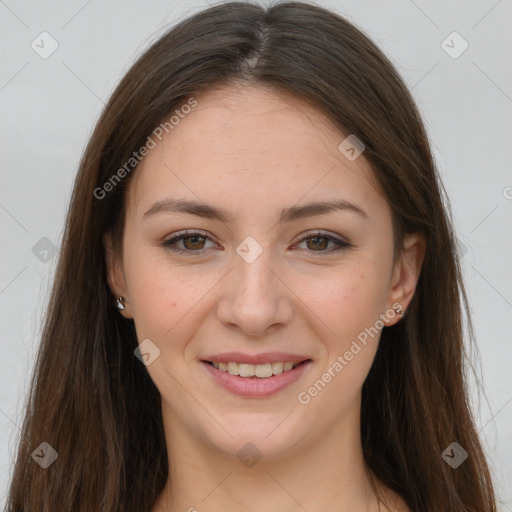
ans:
x=315 y=476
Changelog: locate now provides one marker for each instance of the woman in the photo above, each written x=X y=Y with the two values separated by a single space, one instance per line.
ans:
x=258 y=298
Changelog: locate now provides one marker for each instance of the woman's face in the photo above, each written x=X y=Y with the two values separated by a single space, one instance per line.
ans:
x=262 y=277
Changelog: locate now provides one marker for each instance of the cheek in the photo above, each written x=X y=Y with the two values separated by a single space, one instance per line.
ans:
x=169 y=300
x=160 y=295
x=349 y=307
x=349 y=304
x=346 y=299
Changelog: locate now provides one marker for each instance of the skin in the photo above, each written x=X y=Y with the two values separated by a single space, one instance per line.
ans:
x=254 y=151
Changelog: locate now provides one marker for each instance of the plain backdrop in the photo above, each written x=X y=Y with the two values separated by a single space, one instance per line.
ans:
x=49 y=107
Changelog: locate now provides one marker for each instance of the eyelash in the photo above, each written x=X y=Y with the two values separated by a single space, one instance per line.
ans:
x=341 y=244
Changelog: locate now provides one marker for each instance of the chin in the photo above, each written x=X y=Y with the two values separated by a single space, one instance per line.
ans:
x=254 y=436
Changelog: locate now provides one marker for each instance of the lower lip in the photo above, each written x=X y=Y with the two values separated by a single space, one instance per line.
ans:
x=256 y=387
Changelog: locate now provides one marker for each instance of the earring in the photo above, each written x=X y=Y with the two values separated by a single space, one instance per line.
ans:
x=399 y=310
x=119 y=303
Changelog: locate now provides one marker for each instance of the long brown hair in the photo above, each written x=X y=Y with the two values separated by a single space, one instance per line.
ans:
x=93 y=401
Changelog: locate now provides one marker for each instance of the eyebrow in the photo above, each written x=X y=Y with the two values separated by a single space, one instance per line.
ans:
x=287 y=214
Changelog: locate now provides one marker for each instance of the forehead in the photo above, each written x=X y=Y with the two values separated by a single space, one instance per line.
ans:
x=247 y=144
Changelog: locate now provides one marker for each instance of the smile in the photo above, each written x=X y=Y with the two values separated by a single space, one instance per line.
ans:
x=261 y=371
x=255 y=380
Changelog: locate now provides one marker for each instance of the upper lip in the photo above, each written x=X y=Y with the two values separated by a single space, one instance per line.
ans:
x=266 y=357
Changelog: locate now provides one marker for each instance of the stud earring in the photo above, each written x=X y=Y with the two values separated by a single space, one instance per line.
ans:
x=119 y=303
x=399 y=310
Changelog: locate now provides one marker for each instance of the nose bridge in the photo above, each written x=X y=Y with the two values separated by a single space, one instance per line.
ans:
x=252 y=267
x=255 y=279
x=255 y=298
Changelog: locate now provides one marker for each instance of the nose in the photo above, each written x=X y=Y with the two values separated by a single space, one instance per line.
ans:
x=255 y=298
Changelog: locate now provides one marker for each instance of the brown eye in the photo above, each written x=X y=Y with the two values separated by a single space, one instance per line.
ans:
x=318 y=242
x=192 y=242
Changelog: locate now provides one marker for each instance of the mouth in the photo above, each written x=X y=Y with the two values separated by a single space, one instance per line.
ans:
x=256 y=371
x=252 y=381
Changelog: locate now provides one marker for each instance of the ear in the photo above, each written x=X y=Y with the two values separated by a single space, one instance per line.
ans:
x=115 y=274
x=406 y=274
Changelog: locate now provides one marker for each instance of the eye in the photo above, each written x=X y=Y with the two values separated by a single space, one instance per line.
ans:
x=318 y=241
x=194 y=241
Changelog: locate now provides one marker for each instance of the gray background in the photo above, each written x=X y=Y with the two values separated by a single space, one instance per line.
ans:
x=49 y=107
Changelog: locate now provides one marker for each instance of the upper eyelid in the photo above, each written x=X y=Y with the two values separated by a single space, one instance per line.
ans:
x=321 y=232
x=189 y=232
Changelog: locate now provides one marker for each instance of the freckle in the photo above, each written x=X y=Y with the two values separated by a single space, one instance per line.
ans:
x=174 y=303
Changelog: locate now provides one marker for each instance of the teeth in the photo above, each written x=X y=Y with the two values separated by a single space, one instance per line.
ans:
x=277 y=368
x=259 y=370
x=245 y=370
x=263 y=370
